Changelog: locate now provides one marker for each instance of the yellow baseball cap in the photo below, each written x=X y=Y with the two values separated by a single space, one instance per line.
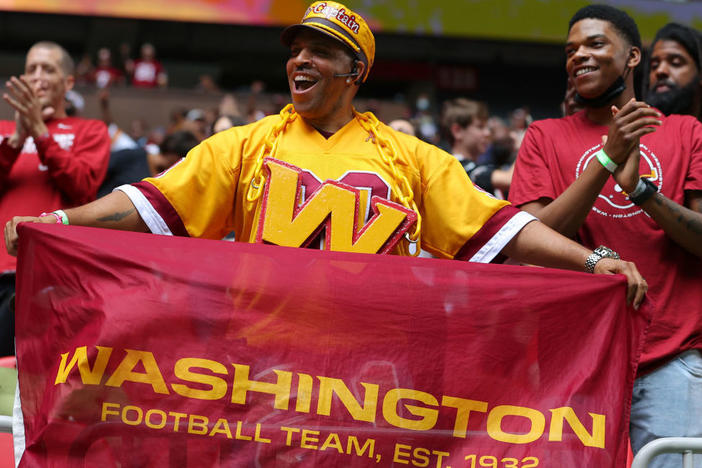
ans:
x=337 y=21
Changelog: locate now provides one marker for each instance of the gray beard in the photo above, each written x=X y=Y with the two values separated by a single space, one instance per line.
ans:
x=678 y=100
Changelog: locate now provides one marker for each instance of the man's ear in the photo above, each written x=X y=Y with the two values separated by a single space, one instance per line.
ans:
x=634 y=57
x=359 y=67
x=455 y=130
x=70 y=81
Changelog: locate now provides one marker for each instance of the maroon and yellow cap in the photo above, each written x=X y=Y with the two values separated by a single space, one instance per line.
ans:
x=337 y=21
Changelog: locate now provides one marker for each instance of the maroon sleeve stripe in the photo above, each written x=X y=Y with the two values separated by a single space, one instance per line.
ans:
x=487 y=232
x=163 y=207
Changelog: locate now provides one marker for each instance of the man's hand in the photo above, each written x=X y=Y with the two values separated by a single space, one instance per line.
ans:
x=30 y=112
x=627 y=174
x=636 y=285
x=11 y=238
x=630 y=123
x=20 y=134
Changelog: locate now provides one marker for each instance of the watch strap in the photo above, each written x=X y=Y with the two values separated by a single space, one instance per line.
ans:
x=644 y=190
x=598 y=254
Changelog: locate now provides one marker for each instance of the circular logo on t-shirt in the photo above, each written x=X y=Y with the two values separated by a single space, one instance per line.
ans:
x=612 y=200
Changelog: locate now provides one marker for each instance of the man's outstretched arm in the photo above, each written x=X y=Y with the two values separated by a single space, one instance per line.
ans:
x=113 y=211
x=538 y=244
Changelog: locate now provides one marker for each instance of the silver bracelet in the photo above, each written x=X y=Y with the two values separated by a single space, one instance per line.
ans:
x=598 y=254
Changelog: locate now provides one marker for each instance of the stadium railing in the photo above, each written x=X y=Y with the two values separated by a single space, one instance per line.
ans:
x=684 y=445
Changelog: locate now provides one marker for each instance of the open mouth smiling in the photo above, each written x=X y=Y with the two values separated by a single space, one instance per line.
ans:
x=584 y=70
x=304 y=82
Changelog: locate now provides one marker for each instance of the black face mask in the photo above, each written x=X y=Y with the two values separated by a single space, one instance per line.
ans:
x=605 y=98
x=677 y=100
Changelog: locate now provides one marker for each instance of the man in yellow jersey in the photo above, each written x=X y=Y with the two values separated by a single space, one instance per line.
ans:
x=322 y=175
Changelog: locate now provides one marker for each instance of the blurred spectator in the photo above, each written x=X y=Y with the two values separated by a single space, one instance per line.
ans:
x=424 y=120
x=519 y=121
x=402 y=125
x=278 y=101
x=229 y=106
x=196 y=123
x=224 y=122
x=498 y=128
x=139 y=132
x=48 y=160
x=254 y=111
x=105 y=74
x=148 y=72
x=84 y=70
x=674 y=75
x=211 y=115
x=119 y=140
x=177 y=119
x=207 y=85
x=465 y=125
x=156 y=136
x=125 y=64
x=127 y=159
x=570 y=105
x=174 y=148
x=501 y=151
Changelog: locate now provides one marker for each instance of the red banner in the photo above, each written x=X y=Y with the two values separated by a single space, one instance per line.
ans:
x=143 y=350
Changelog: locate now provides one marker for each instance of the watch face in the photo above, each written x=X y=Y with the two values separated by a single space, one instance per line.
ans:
x=606 y=252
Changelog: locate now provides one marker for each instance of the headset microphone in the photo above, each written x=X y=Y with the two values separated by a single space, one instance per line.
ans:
x=353 y=72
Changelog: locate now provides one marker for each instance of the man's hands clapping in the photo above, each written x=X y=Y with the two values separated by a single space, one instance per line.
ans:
x=634 y=120
x=29 y=112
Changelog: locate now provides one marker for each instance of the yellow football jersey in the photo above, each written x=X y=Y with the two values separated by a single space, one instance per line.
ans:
x=317 y=189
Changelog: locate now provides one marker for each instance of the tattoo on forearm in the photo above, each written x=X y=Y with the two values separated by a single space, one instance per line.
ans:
x=116 y=216
x=683 y=216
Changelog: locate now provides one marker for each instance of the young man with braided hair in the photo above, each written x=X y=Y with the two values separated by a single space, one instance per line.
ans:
x=322 y=175
x=622 y=174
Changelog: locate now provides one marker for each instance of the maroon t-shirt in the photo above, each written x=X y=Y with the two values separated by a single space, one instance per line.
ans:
x=61 y=170
x=556 y=151
x=146 y=73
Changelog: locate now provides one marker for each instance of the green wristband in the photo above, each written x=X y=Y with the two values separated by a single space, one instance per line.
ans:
x=62 y=214
x=608 y=164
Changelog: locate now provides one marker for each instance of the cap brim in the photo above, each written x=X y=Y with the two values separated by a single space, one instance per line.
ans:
x=289 y=33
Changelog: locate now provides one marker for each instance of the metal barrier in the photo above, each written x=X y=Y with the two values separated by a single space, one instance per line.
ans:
x=6 y=424
x=685 y=445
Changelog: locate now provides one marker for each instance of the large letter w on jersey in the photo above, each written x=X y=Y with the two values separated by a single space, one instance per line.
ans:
x=333 y=207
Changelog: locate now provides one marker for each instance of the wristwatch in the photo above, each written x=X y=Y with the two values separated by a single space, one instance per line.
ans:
x=644 y=190
x=598 y=254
